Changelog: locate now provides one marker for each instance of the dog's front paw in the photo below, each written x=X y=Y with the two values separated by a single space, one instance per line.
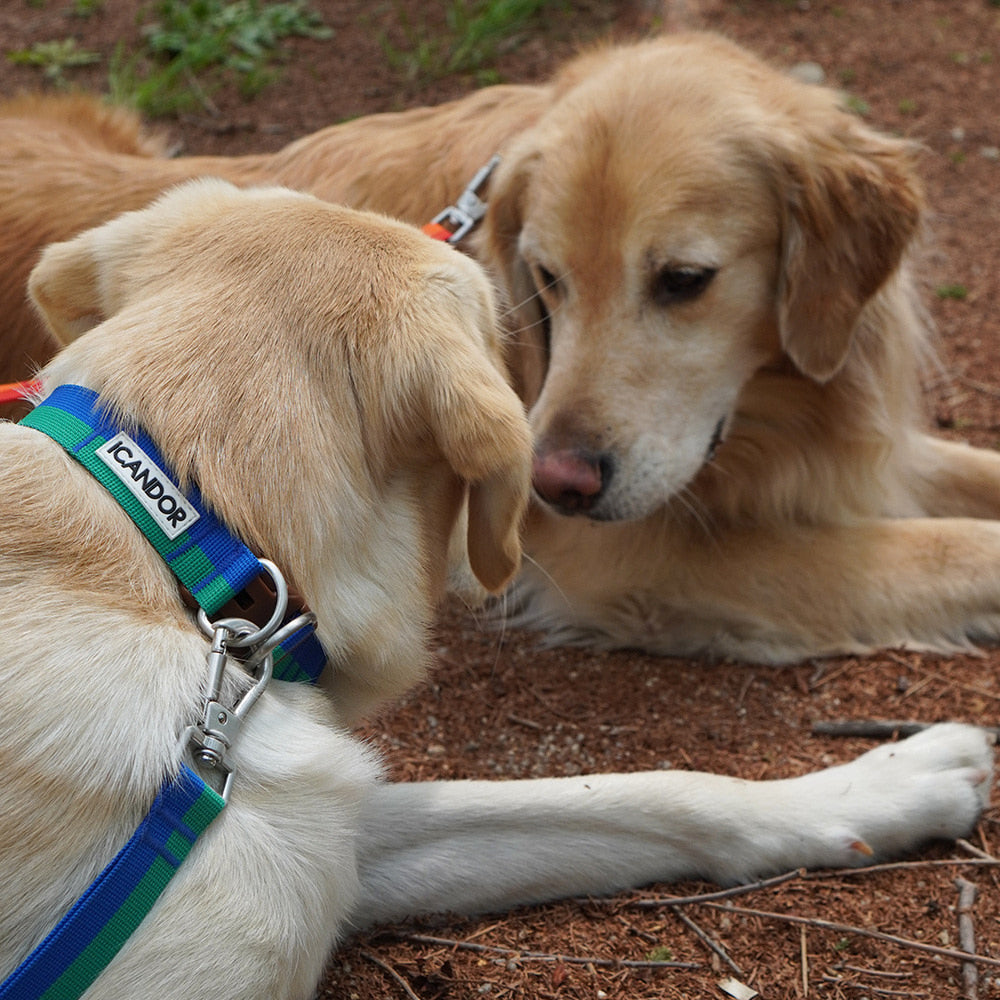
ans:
x=900 y=795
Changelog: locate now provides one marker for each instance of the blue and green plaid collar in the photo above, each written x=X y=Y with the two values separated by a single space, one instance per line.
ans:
x=208 y=561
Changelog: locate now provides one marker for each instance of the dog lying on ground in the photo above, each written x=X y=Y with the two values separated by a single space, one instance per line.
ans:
x=330 y=382
x=706 y=270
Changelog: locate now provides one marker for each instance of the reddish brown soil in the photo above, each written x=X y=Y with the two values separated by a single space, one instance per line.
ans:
x=497 y=706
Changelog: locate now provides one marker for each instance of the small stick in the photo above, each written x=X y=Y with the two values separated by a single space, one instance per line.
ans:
x=804 y=956
x=539 y=956
x=967 y=893
x=868 y=728
x=829 y=925
x=637 y=931
x=880 y=991
x=651 y=903
x=527 y=723
x=392 y=973
x=973 y=850
x=888 y=866
x=878 y=972
x=738 y=890
x=972 y=383
x=877 y=729
x=708 y=941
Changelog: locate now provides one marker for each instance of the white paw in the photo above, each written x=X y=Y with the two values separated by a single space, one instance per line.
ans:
x=900 y=795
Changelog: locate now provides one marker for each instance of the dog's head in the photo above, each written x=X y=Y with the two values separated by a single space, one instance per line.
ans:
x=330 y=379
x=681 y=216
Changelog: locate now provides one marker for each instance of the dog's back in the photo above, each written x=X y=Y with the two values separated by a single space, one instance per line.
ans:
x=66 y=134
x=69 y=162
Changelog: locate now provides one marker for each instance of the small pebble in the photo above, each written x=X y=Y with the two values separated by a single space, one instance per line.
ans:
x=808 y=72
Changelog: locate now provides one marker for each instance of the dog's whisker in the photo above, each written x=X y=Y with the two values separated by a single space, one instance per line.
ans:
x=698 y=510
x=548 y=576
x=536 y=294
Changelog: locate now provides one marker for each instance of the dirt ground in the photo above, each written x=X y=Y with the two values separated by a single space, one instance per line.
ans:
x=498 y=706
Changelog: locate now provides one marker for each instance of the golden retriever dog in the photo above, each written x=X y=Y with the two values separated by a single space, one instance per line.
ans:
x=706 y=274
x=329 y=383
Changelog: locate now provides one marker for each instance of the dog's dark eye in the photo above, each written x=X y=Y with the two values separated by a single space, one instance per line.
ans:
x=545 y=281
x=672 y=285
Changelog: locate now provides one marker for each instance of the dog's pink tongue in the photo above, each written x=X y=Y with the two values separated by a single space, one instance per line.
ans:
x=566 y=480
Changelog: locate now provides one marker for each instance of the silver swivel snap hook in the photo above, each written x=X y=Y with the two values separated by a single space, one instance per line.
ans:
x=214 y=735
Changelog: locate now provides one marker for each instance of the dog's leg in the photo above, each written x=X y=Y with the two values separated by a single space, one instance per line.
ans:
x=481 y=846
x=951 y=479
x=771 y=596
x=919 y=582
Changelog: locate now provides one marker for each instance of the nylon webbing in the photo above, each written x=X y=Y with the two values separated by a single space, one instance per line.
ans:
x=215 y=567
x=79 y=947
x=206 y=558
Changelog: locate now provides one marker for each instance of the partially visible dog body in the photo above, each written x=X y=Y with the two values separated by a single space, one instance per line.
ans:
x=331 y=382
x=706 y=268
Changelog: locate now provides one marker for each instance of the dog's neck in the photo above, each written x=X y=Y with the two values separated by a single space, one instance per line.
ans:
x=326 y=534
x=214 y=568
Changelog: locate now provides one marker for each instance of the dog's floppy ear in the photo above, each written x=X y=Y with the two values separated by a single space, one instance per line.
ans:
x=80 y=283
x=852 y=204
x=65 y=288
x=479 y=425
x=76 y=285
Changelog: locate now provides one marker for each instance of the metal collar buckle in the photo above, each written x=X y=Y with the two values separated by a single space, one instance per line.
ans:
x=462 y=217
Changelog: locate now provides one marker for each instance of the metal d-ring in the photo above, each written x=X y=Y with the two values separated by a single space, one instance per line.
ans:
x=240 y=639
x=285 y=632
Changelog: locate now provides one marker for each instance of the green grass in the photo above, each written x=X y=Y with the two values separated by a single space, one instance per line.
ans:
x=85 y=8
x=189 y=49
x=857 y=105
x=957 y=292
x=192 y=47
x=475 y=32
x=54 y=57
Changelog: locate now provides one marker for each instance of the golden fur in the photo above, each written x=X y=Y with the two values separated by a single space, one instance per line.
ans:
x=706 y=270
x=331 y=380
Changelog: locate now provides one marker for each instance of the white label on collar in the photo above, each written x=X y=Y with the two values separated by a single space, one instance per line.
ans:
x=149 y=484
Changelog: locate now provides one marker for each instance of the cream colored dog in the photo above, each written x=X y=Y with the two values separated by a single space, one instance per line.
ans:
x=330 y=381
x=706 y=272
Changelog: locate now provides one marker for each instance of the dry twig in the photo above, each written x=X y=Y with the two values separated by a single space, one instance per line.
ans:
x=828 y=925
x=875 y=990
x=392 y=973
x=983 y=387
x=877 y=729
x=804 y=959
x=709 y=941
x=967 y=893
x=973 y=850
x=736 y=890
x=539 y=956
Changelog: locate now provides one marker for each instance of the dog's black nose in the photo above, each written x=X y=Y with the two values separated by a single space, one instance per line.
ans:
x=572 y=481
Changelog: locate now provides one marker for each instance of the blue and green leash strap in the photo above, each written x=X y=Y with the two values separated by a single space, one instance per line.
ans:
x=93 y=931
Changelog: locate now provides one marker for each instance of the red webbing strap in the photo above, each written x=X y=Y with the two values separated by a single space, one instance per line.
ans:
x=14 y=392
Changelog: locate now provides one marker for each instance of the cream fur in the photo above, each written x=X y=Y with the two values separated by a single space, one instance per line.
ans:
x=331 y=381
